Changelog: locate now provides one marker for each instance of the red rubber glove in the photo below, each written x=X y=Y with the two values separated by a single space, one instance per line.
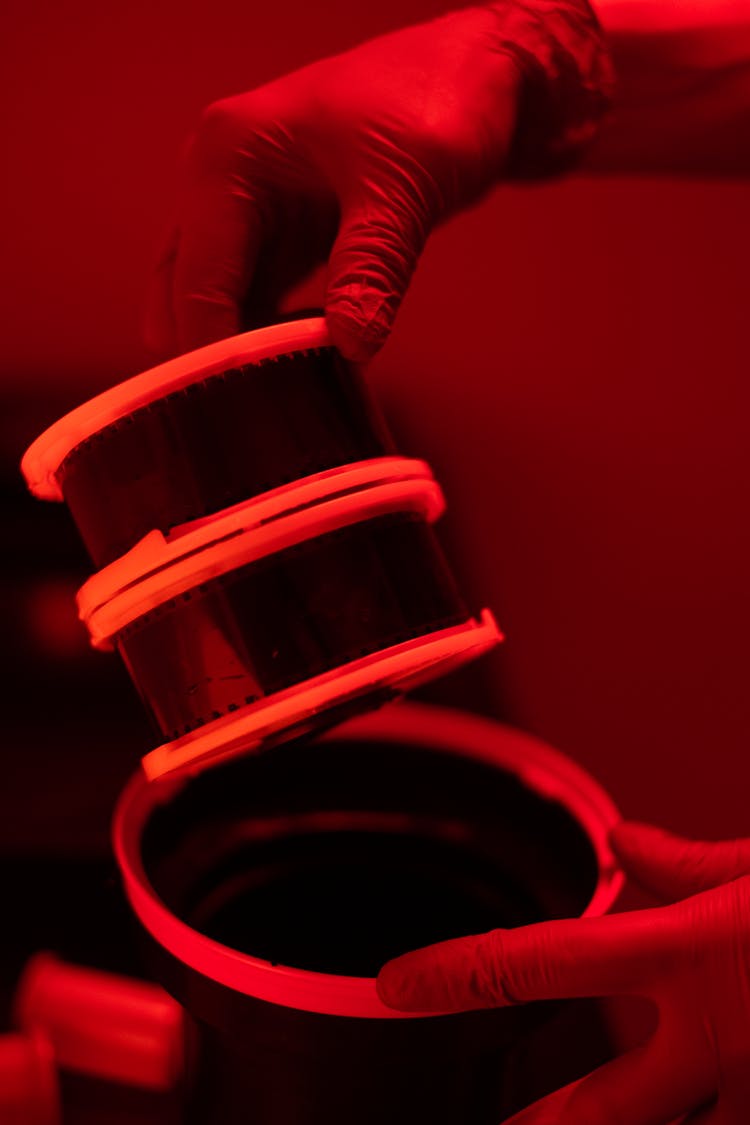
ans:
x=692 y=959
x=356 y=158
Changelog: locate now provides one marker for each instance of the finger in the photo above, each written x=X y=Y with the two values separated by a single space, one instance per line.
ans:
x=672 y=867
x=545 y=961
x=373 y=259
x=159 y=326
x=304 y=231
x=646 y=1086
x=221 y=231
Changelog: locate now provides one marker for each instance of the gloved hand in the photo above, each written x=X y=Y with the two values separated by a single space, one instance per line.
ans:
x=356 y=158
x=692 y=959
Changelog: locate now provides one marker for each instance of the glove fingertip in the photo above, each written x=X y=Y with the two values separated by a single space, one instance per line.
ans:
x=400 y=990
x=349 y=342
x=388 y=987
x=630 y=837
x=357 y=341
x=642 y=850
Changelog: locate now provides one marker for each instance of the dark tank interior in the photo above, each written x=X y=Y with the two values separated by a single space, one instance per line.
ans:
x=336 y=856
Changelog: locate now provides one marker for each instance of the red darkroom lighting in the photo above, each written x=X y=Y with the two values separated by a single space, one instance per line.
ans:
x=324 y=860
x=516 y=231
x=266 y=558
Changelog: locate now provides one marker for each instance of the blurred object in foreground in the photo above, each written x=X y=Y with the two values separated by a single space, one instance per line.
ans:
x=101 y=1024
x=29 y=1093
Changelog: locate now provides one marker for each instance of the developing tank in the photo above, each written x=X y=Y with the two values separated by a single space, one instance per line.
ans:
x=270 y=890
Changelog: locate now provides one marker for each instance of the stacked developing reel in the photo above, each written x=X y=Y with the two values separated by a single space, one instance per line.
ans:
x=266 y=559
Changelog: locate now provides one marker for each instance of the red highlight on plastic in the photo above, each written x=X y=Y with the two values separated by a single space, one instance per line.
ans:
x=161 y=567
x=42 y=459
x=544 y=770
x=102 y=1024
x=29 y=1093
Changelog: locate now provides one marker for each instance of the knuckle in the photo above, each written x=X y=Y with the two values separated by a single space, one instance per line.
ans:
x=220 y=128
x=218 y=117
x=494 y=977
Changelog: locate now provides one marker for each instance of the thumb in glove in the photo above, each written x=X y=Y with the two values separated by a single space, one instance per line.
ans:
x=671 y=867
x=690 y=958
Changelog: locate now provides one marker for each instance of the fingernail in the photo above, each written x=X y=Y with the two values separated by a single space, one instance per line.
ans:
x=350 y=342
x=358 y=321
x=400 y=988
x=389 y=985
